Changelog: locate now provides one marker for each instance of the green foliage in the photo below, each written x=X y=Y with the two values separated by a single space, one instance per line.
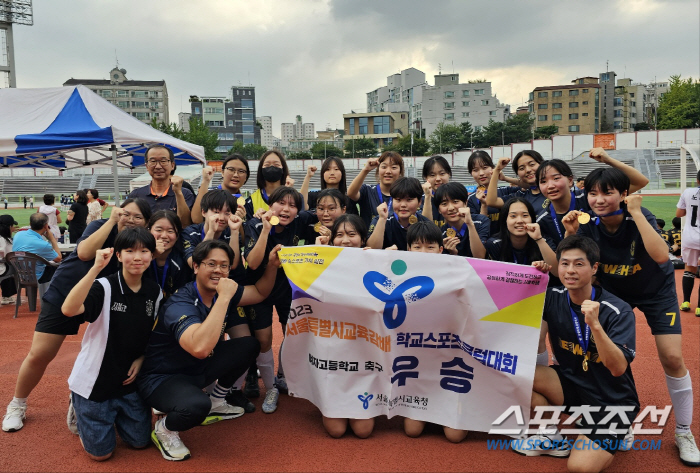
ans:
x=248 y=151
x=605 y=125
x=323 y=150
x=199 y=134
x=680 y=106
x=546 y=132
x=445 y=138
x=299 y=155
x=403 y=146
x=360 y=147
x=642 y=126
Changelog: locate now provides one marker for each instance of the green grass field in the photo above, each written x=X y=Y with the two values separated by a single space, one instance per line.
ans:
x=21 y=215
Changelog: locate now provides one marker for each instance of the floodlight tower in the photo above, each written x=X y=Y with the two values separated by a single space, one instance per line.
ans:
x=11 y=11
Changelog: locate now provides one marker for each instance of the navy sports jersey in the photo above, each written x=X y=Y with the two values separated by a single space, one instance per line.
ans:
x=369 y=201
x=438 y=219
x=167 y=201
x=164 y=355
x=505 y=193
x=193 y=235
x=299 y=229
x=72 y=269
x=673 y=237
x=350 y=206
x=120 y=326
x=597 y=386
x=626 y=269
x=493 y=251
x=554 y=231
x=482 y=225
x=394 y=233
x=171 y=276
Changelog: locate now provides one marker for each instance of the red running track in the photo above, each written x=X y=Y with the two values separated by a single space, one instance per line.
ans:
x=293 y=439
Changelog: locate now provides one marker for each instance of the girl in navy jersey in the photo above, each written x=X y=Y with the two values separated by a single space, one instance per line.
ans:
x=332 y=177
x=436 y=172
x=169 y=267
x=461 y=225
x=525 y=165
x=389 y=167
x=330 y=205
x=234 y=175
x=635 y=267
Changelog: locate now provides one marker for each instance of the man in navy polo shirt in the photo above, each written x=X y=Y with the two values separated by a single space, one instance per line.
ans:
x=165 y=191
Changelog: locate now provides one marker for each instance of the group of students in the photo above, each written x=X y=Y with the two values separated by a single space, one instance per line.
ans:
x=221 y=275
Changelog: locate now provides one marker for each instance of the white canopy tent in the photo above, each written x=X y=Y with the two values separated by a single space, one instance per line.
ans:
x=68 y=127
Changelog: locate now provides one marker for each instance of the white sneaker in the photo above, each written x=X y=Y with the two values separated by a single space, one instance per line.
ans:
x=71 y=418
x=688 y=450
x=270 y=403
x=12 y=421
x=169 y=443
x=8 y=300
x=221 y=410
x=554 y=445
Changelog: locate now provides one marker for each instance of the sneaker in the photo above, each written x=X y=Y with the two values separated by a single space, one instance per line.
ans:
x=71 y=418
x=8 y=300
x=12 y=421
x=251 y=388
x=281 y=383
x=270 y=403
x=554 y=445
x=169 y=443
x=688 y=450
x=221 y=410
x=627 y=441
x=697 y=312
x=237 y=398
x=685 y=307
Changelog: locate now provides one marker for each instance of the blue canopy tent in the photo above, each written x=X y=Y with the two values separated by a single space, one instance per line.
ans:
x=69 y=127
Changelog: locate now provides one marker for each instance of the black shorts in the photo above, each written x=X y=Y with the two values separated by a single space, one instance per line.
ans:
x=662 y=313
x=51 y=320
x=260 y=315
x=236 y=316
x=608 y=440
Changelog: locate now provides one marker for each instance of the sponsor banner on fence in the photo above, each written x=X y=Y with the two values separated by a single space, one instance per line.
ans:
x=437 y=338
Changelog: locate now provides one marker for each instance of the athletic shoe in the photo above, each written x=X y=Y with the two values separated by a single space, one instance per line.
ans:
x=251 y=388
x=685 y=307
x=627 y=441
x=281 y=383
x=237 y=398
x=71 y=418
x=697 y=312
x=221 y=410
x=8 y=300
x=12 y=421
x=157 y=413
x=270 y=403
x=554 y=445
x=169 y=443
x=688 y=450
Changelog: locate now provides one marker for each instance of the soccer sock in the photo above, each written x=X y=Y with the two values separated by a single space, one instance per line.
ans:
x=681 y=391
x=266 y=365
x=19 y=401
x=219 y=391
x=543 y=358
x=688 y=282
x=239 y=382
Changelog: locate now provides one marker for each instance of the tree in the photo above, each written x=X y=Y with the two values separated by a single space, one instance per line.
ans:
x=171 y=129
x=323 y=150
x=445 y=138
x=605 y=126
x=546 y=132
x=680 y=106
x=199 y=134
x=642 y=126
x=248 y=151
x=403 y=146
x=360 y=147
x=299 y=155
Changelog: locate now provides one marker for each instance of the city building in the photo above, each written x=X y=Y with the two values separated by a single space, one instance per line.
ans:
x=606 y=80
x=653 y=93
x=233 y=118
x=454 y=103
x=183 y=121
x=297 y=131
x=382 y=127
x=628 y=105
x=142 y=99
x=573 y=109
x=397 y=94
x=267 y=139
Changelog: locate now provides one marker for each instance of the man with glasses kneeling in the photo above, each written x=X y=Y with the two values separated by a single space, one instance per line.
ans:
x=165 y=191
x=187 y=351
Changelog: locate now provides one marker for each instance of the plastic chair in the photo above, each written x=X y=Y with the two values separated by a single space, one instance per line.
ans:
x=24 y=264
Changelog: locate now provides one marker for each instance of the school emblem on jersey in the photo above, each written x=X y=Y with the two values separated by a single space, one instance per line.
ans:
x=149 y=308
x=632 y=247
x=251 y=243
x=545 y=204
x=371 y=229
x=295 y=241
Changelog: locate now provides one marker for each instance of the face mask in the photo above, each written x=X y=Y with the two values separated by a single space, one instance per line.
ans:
x=272 y=174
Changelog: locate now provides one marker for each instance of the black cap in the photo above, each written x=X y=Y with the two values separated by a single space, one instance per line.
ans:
x=8 y=220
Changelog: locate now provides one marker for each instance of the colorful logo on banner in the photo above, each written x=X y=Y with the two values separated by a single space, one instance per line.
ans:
x=397 y=296
x=365 y=400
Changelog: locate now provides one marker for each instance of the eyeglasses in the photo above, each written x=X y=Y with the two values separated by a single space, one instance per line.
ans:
x=241 y=172
x=135 y=217
x=154 y=162
x=212 y=266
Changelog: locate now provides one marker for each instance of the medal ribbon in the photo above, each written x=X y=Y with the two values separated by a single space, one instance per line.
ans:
x=553 y=214
x=381 y=198
x=617 y=212
x=461 y=231
x=199 y=296
x=165 y=272
x=583 y=339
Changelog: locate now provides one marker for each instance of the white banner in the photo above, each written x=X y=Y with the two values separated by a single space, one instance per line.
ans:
x=437 y=338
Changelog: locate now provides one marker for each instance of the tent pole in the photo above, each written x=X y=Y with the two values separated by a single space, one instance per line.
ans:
x=116 y=175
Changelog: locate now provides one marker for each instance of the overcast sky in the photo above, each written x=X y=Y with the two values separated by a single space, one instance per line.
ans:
x=319 y=58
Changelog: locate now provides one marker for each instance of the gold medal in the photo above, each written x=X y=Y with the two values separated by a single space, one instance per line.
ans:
x=241 y=201
x=317 y=227
x=481 y=188
x=274 y=220
x=451 y=232
x=585 y=364
x=584 y=219
x=412 y=219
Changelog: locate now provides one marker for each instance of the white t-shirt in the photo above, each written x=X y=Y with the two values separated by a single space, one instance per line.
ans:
x=690 y=201
x=51 y=212
x=5 y=248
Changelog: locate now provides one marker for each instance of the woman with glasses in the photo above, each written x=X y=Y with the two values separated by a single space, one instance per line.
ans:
x=52 y=326
x=234 y=175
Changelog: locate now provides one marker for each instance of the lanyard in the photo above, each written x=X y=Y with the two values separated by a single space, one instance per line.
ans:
x=583 y=339
x=381 y=199
x=515 y=259
x=165 y=272
x=264 y=195
x=199 y=296
x=617 y=212
x=461 y=231
x=572 y=206
x=235 y=195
